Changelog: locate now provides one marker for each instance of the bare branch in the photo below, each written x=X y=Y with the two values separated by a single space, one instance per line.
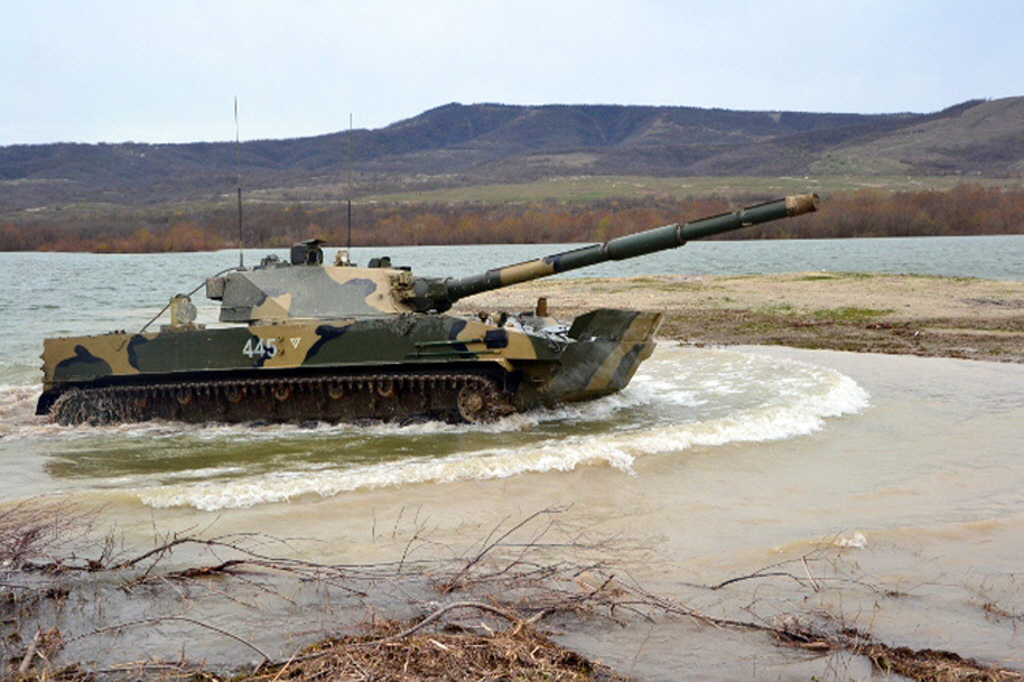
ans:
x=165 y=619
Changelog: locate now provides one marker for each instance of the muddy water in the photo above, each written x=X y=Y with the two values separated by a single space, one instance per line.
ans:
x=887 y=492
x=897 y=480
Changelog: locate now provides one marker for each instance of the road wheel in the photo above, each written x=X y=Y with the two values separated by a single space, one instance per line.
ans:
x=472 y=404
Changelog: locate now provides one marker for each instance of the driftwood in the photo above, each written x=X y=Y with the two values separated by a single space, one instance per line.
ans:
x=499 y=579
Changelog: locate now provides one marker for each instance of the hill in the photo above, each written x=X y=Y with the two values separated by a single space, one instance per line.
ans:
x=459 y=145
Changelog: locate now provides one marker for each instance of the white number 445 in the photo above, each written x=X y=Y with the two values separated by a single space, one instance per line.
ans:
x=258 y=348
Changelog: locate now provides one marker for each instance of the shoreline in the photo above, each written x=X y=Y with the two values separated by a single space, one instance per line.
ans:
x=922 y=315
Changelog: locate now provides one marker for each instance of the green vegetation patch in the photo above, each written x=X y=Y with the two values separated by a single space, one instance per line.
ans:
x=850 y=314
x=835 y=276
x=858 y=275
x=778 y=309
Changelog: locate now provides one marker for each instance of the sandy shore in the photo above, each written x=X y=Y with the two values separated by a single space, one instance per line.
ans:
x=903 y=314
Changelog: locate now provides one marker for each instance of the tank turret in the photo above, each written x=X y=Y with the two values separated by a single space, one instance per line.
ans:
x=302 y=340
x=278 y=290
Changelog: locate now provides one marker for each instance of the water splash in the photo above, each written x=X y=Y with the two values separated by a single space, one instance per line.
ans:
x=686 y=399
x=682 y=399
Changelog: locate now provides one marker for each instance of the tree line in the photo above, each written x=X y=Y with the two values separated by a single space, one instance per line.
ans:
x=967 y=209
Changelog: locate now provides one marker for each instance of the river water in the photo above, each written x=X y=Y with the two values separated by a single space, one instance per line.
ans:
x=890 y=490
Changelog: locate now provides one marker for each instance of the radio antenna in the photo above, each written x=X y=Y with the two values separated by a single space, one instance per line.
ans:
x=348 y=246
x=238 y=176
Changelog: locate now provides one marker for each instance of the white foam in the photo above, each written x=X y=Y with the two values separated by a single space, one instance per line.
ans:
x=17 y=410
x=778 y=399
x=857 y=541
x=682 y=398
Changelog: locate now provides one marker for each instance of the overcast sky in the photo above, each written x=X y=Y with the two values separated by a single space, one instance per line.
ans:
x=170 y=70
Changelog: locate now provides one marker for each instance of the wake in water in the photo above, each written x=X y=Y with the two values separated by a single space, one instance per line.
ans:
x=682 y=398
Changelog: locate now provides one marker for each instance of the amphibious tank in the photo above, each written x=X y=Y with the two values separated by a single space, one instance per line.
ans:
x=300 y=340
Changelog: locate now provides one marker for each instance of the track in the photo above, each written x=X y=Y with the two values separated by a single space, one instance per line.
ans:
x=377 y=397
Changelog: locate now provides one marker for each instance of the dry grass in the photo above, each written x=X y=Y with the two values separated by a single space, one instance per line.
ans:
x=516 y=653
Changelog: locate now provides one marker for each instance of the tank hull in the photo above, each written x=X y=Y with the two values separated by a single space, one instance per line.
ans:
x=392 y=368
x=311 y=341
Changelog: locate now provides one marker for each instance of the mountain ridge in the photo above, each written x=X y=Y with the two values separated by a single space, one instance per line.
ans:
x=457 y=144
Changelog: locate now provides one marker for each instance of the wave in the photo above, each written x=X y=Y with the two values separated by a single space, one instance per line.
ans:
x=682 y=399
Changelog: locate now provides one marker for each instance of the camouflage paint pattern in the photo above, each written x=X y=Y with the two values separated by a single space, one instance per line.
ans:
x=594 y=359
x=308 y=333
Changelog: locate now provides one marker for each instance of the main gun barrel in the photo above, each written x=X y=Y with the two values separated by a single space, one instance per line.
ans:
x=440 y=294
